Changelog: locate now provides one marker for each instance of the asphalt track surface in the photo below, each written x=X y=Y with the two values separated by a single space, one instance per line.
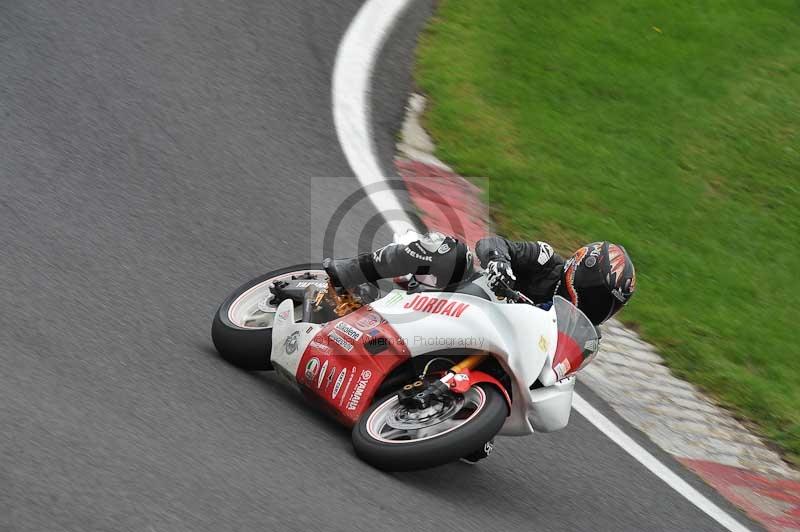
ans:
x=153 y=156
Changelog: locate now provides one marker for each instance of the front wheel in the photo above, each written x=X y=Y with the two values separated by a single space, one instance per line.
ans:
x=392 y=437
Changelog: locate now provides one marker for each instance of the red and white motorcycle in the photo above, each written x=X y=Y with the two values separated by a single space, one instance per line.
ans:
x=424 y=377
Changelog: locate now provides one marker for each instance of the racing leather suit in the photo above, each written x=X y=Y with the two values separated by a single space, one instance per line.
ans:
x=446 y=261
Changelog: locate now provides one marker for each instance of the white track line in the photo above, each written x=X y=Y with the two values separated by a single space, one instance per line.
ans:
x=355 y=62
x=627 y=443
x=352 y=74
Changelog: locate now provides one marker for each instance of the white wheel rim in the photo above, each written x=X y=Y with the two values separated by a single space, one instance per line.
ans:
x=380 y=430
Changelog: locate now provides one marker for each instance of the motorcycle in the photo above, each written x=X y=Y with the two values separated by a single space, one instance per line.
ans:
x=423 y=376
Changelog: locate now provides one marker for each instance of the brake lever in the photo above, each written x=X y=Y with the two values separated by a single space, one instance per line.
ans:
x=515 y=295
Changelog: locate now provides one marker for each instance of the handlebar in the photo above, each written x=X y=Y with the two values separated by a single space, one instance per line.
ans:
x=516 y=296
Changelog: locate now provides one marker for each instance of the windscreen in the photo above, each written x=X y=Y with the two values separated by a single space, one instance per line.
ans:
x=578 y=338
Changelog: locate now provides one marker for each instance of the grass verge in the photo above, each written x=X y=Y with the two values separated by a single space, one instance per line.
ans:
x=673 y=128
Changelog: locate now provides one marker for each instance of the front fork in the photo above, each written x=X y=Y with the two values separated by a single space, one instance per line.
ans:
x=471 y=362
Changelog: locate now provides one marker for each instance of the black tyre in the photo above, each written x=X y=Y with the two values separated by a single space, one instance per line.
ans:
x=389 y=439
x=242 y=328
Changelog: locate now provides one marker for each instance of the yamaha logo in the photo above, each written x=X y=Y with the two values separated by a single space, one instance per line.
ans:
x=361 y=385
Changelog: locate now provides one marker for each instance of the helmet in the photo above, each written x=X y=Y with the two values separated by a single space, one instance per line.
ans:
x=599 y=279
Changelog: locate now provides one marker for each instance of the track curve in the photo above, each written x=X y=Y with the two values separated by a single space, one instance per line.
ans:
x=153 y=156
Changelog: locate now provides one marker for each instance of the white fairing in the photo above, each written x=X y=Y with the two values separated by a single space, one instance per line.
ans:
x=284 y=361
x=522 y=337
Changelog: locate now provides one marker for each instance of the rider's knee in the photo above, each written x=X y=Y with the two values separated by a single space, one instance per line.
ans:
x=449 y=259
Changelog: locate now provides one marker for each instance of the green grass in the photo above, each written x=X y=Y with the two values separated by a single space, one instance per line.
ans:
x=672 y=128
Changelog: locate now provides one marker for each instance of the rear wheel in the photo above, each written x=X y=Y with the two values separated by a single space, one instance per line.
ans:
x=392 y=437
x=242 y=328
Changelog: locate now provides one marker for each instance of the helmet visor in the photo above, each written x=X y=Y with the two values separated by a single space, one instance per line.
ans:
x=598 y=304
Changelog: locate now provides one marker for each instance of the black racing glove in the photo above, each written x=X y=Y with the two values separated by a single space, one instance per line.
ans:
x=500 y=277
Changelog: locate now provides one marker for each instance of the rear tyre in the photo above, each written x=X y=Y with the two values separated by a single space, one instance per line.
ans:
x=242 y=327
x=380 y=439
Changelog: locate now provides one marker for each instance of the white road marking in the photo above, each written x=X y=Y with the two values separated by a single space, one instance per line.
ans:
x=651 y=462
x=352 y=74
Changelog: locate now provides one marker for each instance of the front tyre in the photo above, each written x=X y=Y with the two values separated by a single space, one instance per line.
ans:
x=391 y=437
x=242 y=328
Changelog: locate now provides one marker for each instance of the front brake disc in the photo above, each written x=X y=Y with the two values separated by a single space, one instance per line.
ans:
x=404 y=418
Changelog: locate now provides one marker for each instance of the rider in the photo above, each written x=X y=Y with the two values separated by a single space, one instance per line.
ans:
x=598 y=278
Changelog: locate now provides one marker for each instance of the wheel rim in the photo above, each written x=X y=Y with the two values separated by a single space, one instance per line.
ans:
x=253 y=309
x=391 y=423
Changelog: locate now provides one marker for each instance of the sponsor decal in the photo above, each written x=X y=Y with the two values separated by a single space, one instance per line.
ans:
x=305 y=284
x=590 y=261
x=418 y=256
x=318 y=345
x=444 y=248
x=545 y=252
x=358 y=391
x=290 y=344
x=393 y=298
x=338 y=385
x=591 y=345
x=349 y=331
x=373 y=333
x=331 y=375
x=344 y=344
x=435 y=305
x=283 y=316
x=312 y=367
x=368 y=321
x=562 y=369
x=322 y=374
x=543 y=344
x=347 y=386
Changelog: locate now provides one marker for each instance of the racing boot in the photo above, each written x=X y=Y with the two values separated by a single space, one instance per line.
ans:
x=349 y=273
